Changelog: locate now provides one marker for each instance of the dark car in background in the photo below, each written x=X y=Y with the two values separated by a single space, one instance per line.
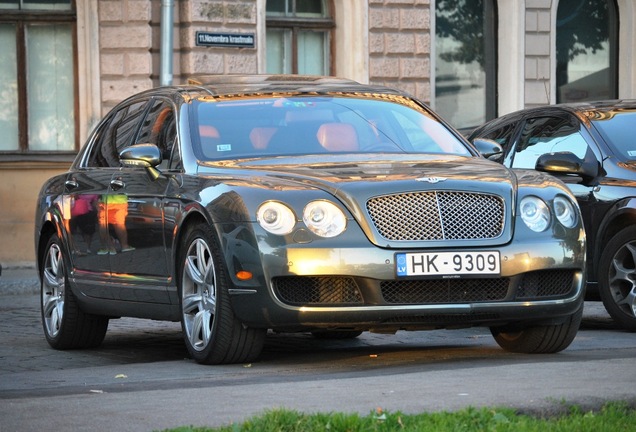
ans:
x=592 y=148
x=242 y=204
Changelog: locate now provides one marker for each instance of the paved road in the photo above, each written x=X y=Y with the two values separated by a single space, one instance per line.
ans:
x=140 y=379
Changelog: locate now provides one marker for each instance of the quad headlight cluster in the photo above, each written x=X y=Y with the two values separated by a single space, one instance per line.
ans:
x=537 y=214
x=323 y=218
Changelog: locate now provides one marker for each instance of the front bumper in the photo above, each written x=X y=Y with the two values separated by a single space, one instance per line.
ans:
x=304 y=288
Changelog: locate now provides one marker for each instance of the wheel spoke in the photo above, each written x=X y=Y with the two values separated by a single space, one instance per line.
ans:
x=53 y=285
x=192 y=270
x=49 y=306
x=54 y=259
x=623 y=275
x=191 y=303
x=50 y=281
x=631 y=248
x=630 y=300
x=202 y=255
x=198 y=298
x=201 y=332
x=56 y=318
x=195 y=331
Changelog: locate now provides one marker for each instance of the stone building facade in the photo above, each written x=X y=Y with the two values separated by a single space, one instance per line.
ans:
x=117 y=52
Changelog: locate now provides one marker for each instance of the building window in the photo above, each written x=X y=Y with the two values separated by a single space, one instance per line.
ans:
x=37 y=76
x=299 y=37
x=586 y=50
x=465 y=65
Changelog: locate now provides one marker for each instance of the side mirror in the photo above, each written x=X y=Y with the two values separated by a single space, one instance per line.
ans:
x=566 y=163
x=487 y=147
x=142 y=155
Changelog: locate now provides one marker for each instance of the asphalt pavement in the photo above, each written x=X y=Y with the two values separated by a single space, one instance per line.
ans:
x=18 y=279
x=142 y=379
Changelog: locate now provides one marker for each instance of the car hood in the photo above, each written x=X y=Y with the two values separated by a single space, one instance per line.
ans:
x=376 y=174
x=356 y=180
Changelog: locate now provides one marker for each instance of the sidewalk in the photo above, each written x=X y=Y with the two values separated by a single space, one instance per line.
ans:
x=17 y=280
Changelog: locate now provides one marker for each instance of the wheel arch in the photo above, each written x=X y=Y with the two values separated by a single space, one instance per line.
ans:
x=191 y=220
x=619 y=216
x=46 y=231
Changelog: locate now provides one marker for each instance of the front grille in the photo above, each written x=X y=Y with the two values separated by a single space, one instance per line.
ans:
x=437 y=215
x=328 y=290
x=349 y=291
x=444 y=291
x=545 y=283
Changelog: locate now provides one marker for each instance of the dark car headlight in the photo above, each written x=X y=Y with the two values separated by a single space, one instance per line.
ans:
x=565 y=212
x=324 y=219
x=276 y=217
x=535 y=213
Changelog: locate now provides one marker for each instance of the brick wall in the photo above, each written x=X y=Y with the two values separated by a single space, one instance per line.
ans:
x=125 y=40
x=400 y=45
x=230 y=16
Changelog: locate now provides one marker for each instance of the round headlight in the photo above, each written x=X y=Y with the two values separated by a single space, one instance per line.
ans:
x=276 y=217
x=324 y=218
x=535 y=213
x=565 y=212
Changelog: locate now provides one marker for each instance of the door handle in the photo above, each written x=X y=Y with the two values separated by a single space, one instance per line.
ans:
x=71 y=184
x=117 y=184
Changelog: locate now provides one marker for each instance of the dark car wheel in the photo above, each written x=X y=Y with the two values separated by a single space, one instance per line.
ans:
x=617 y=278
x=212 y=333
x=544 y=339
x=66 y=326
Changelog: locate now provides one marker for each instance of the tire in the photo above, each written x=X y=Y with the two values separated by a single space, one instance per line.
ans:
x=65 y=325
x=617 y=278
x=211 y=332
x=336 y=334
x=546 y=339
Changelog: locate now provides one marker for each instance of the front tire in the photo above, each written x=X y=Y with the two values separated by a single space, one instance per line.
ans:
x=211 y=332
x=65 y=325
x=617 y=278
x=545 y=339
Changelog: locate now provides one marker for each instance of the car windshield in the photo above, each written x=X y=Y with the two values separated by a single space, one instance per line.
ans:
x=280 y=126
x=617 y=129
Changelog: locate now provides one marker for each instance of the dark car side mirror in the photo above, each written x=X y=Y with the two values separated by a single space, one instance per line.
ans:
x=566 y=163
x=487 y=147
x=142 y=155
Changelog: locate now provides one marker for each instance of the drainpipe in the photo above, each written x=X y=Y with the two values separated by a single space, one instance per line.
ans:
x=167 y=21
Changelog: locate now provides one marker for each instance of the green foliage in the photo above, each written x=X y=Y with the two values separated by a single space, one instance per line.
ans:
x=615 y=416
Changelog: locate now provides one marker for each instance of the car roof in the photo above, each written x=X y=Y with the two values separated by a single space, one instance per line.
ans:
x=583 y=110
x=586 y=108
x=239 y=85
x=231 y=84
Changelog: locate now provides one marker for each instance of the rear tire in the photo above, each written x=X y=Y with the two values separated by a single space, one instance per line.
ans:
x=65 y=325
x=617 y=278
x=546 y=339
x=211 y=332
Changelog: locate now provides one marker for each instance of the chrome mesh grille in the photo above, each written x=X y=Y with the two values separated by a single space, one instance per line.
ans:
x=546 y=283
x=444 y=291
x=326 y=290
x=437 y=215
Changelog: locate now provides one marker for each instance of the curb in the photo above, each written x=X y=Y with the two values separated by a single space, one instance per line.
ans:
x=19 y=280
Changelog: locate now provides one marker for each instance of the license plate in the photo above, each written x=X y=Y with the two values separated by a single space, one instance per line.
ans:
x=448 y=264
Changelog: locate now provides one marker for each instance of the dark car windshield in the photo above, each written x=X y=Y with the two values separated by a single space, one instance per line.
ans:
x=254 y=127
x=617 y=129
